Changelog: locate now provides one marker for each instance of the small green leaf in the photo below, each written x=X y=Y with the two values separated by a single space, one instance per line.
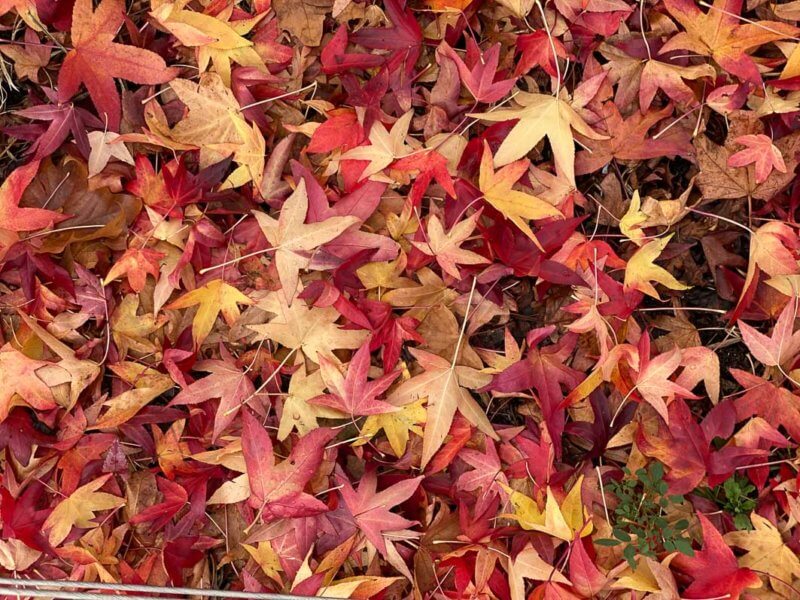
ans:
x=621 y=535
x=607 y=542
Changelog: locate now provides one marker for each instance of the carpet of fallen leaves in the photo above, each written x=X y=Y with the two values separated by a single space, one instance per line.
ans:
x=402 y=299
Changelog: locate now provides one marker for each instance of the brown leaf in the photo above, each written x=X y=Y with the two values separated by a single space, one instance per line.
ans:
x=95 y=214
x=303 y=18
x=718 y=181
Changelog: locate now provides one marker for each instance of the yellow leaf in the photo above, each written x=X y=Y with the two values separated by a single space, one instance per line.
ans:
x=630 y=223
x=529 y=565
x=518 y=207
x=564 y=522
x=440 y=384
x=79 y=509
x=210 y=124
x=249 y=155
x=79 y=372
x=214 y=297
x=312 y=330
x=266 y=558
x=217 y=40
x=387 y=275
x=520 y=8
x=396 y=425
x=298 y=413
x=767 y=553
x=541 y=115
x=641 y=270
x=148 y=384
x=357 y=588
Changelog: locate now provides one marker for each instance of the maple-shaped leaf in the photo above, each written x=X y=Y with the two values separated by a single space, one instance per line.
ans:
x=539 y=48
x=397 y=425
x=79 y=509
x=63 y=118
x=313 y=330
x=779 y=347
x=628 y=139
x=685 y=448
x=760 y=152
x=651 y=576
x=516 y=206
x=529 y=564
x=653 y=382
x=767 y=400
x=21 y=380
x=428 y=165
x=642 y=270
x=249 y=154
x=226 y=381
x=385 y=146
x=479 y=71
x=157 y=516
x=354 y=394
x=404 y=37
x=105 y=146
x=720 y=35
x=541 y=115
x=297 y=411
x=642 y=78
x=213 y=298
x=772 y=249
x=76 y=372
x=95 y=59
x=545 y=369
x=446 y=247
x=217 y=40
x=767 y=553
x=370 y=508
x=276 y=491
x=717 y=180
x=520 y=8
x=14 y=218
x=566 y=521
x=341 y=130
x=135 y=264
x=213 y=123
x=148 y=384
x=486 y=474
x=25 y=9
x=266 y=558
x=440 y=383
x=28 y=58
x=293 y=239
x=714 y=568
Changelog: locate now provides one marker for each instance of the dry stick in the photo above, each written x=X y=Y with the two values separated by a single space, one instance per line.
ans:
x=552 y=45
x=279 y=97
x=236 y=260
x=721 y=218
x=686 y=308
x=49 y=231
x=27 y=587
x=641 y=29
x=263 y=385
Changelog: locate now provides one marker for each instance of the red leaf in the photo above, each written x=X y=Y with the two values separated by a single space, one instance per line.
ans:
x=95 y=59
